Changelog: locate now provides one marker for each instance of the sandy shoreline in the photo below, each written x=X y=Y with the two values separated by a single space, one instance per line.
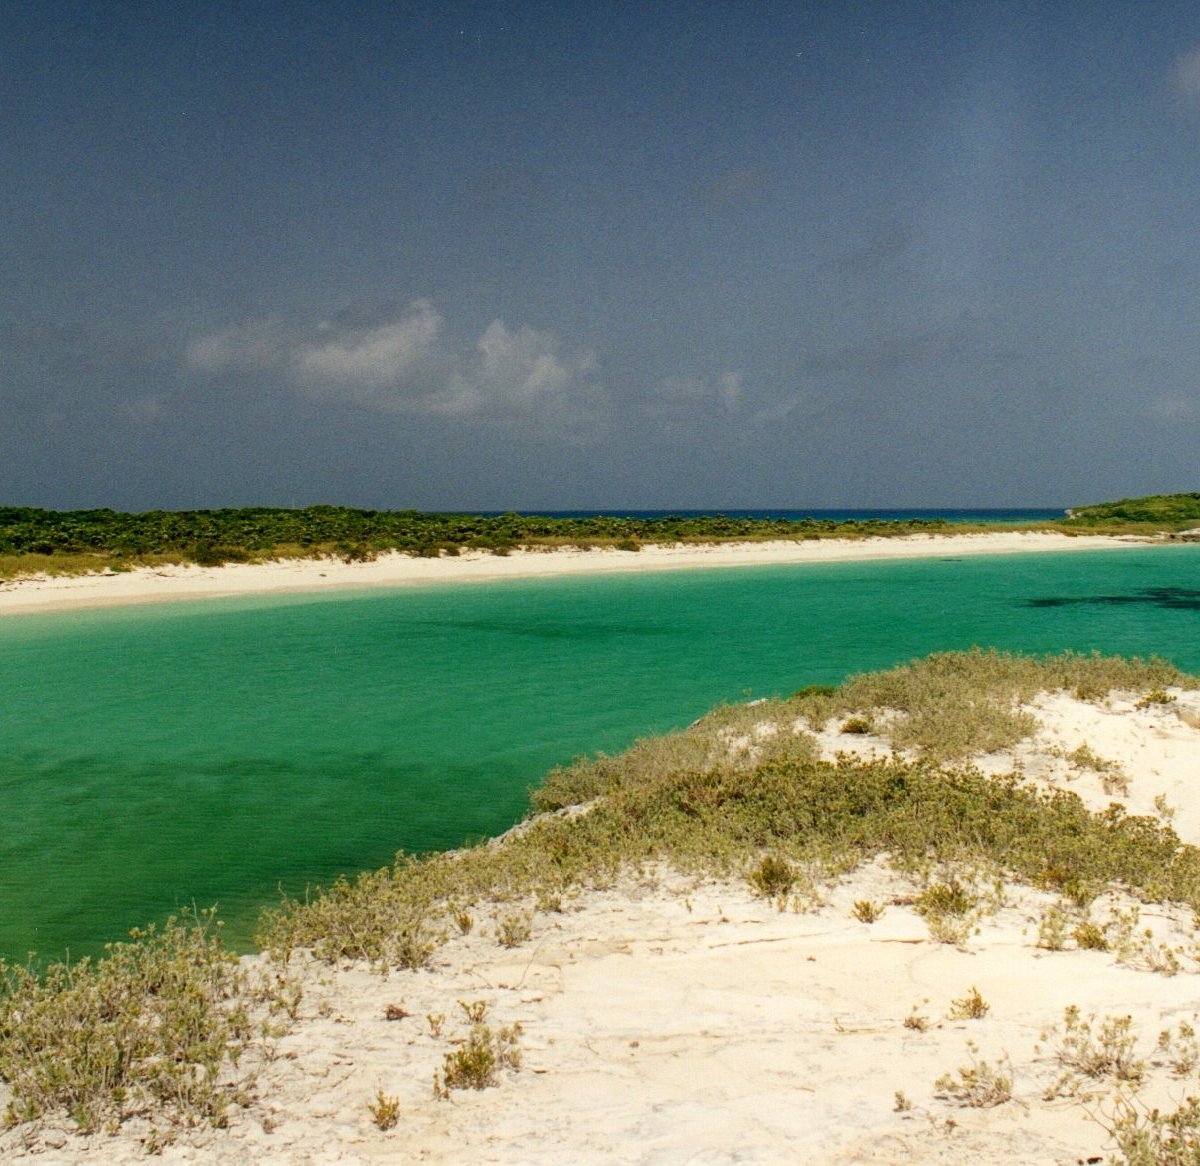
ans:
x=149 y=585
x=672 y=1021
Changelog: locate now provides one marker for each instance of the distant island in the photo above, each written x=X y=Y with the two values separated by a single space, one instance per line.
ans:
x=1165 y=511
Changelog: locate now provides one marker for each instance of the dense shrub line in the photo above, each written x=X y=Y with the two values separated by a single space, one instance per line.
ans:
x=229 y=533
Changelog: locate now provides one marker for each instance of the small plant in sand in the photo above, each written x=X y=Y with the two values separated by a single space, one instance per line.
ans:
x=282 y=994
x=1112 y=777
x=385 y=1110
x=949 y=930
x=868 y=911
x=948 y=909
x=477 y=1063
x=979 y=1084
x=1163 y=808
x=435 y=1020
x=474 y=1011
x=1149 y=1137
x=972 y=1006
x=1156 y=697
x=1055 y=928
x=1090 y=936
x=1085 y=1046
x=1180 y=1048
x=946 y=898
x=772 y=877
x=1137 y=947
x=916 y=1021
x=549 y=901
x=1052 y=929
x=856 y=726
x=901 y=1102
x=514 y=929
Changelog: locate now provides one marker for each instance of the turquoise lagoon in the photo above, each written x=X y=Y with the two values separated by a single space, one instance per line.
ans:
x=216 y=752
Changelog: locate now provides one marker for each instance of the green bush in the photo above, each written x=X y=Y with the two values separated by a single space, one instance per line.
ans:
x=158 y=1024
x=477 y=1063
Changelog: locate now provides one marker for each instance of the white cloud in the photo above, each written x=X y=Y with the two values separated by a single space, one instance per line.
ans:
x=729 y=389
x=1185 y=79
x=697 y=393
x=258 y=344
x=1173 y=407
x=406 y=363
x=522 y=369
x=384 y=355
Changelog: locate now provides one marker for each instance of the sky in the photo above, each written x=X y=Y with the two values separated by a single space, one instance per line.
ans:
x=655 y=254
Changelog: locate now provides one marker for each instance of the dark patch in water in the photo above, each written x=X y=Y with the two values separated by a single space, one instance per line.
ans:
x=1175 y=598
x=546 y=630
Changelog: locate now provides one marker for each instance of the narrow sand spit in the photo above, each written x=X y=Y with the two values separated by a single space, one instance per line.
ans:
x=48 y=593
x=670 y=1021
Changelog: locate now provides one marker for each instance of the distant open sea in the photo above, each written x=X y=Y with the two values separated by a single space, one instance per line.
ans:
x=212 y=752
x=966 y=516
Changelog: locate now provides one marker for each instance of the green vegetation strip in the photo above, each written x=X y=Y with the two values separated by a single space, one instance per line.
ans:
x=39 y=540
x=161 y=1025
x=36 y=541
x=1166 y=510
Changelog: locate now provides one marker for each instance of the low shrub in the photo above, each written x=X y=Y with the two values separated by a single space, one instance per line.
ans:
x=972 y=1006
x=158 y=1025
x=477 y=1063
x=772 y=877
x=1093 y=1048
x=384 y=1110
x=1150 y=1137
x=978 y=1084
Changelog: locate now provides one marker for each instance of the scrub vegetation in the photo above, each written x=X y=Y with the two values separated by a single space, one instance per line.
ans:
x=159 y=1025
x=35 y=541
x=167 y=1024
x=1168 y=511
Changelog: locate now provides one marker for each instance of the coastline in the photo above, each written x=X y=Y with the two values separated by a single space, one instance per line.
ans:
x=671 y=1018
x=45 y=594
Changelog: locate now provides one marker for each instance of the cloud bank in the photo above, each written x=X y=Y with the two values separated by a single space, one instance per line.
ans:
x=402 y=361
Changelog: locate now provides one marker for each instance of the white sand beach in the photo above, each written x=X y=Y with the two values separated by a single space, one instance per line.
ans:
x=668 y=1021
x=147 y=585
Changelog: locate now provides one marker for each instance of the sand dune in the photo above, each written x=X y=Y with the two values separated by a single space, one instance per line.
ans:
x=670 y=1021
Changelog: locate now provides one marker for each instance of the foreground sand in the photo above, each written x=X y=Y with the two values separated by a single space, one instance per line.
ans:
x=669 y=1022
x=144 y=585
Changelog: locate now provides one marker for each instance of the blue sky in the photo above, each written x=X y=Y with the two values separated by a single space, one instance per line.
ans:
x=539 y=255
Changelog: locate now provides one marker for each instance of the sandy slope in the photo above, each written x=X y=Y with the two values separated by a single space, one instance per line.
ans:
x=668 y=1022
x=396 y=570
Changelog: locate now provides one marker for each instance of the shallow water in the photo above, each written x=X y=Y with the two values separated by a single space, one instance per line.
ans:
x=212 y=752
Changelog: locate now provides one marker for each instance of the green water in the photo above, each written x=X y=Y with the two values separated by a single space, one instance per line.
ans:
x=213 y=752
